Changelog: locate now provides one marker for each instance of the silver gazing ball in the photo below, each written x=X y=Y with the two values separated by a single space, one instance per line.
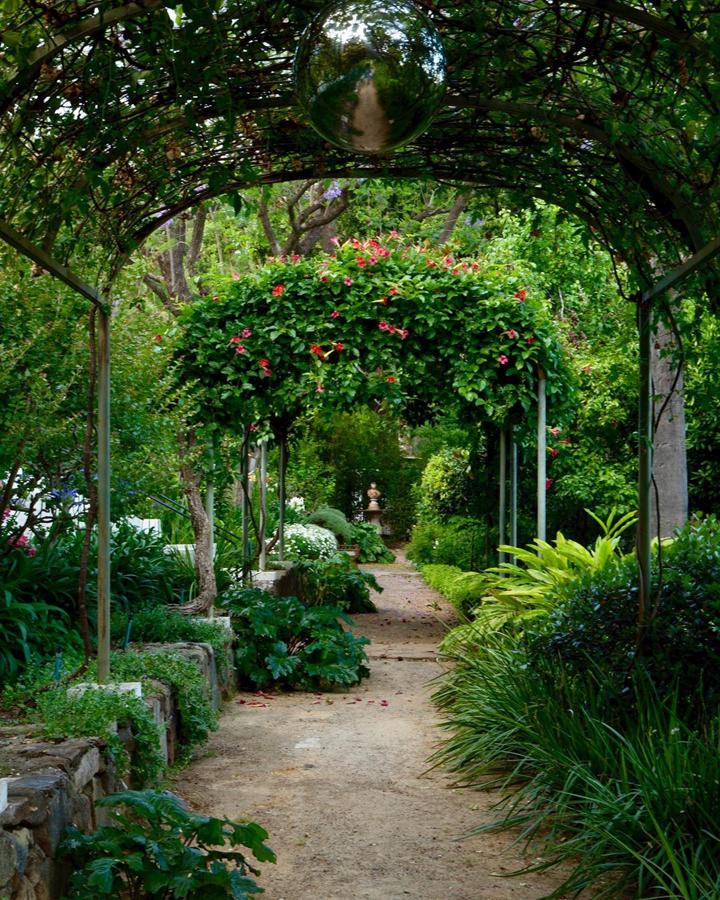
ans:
x=370 y=74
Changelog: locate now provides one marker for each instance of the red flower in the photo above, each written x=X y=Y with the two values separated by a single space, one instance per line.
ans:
x=246 y=332
x=503 y=360
x=531 y=339
x=383 y=326
x=317 y=350
x=394 y=291
x=252 y=428
x=294 y=258
x=324 y=279
x=553 y=452
x=278 y=290
x=512 y=334
x=555 y=431
x=267 y=371
x=239 y=349
x=264 y=363
x=355 y=244
x=391 y=379
x=383 y=301
x=383 y=251
x=475 y=267
x=348 y=280
x=360 y=260
x=158 y=338
x=339 y=346
x=235 y=339
x=404 y=333
x=335 y=314
x=521 y=295
x=431 y=263
x=549 y=483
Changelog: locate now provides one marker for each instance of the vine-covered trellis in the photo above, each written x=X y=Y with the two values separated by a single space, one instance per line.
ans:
x=115 y=116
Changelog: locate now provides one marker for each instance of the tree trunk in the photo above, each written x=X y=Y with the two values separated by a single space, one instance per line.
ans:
x=204 y=564
x=669 y=451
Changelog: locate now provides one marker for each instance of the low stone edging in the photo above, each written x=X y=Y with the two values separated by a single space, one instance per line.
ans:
x=55 y=784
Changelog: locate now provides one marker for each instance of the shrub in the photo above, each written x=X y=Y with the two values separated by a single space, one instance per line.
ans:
x=371 y=547
x=596 y=617
x=158 y=624
x=444 y=486
x=283 y=641
x=197 y=717
x=309 y=542
x=334 y=520
x=464 y=542
x=463 y=589
x=29 y=629
x=336 y=582
x=94 y=713
x=156 y=848
x=612 y=784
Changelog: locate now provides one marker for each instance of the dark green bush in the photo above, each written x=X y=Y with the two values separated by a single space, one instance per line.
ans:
x=334 y=520
x=596 y=618
x=158 y=624
x=156 y=848
x=463 y=589
x=336 y=582
x=283 y=641
x=463 y=542
x=371 y=547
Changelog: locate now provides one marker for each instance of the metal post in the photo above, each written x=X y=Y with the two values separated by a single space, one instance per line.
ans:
x=645 y=454
x=513 y=491
x=502 y=477
x=210 y=504
x=281 y=500
x=263 y=504
x=245 y=479
x=541 y=457
x=103 y=497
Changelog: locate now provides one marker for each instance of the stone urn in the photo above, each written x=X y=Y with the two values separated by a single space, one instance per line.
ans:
x=373 y=513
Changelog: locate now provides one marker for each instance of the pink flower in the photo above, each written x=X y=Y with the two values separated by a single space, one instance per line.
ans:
x=430 y=263
x=404 y=333
x=320 y=389
x=373 y=260
x=348 y=281
x=512 y=334
x=393 y=235
x=383 y=251
x=246 y=332
x=393 y=291
x=240 y=349
x=355 y=244
x=235 y=339
x=294 y=258
x=383 y=326
x=549 y=483
x=335 y=314
x=252 y=427
x=553 y=452
x=324 y=279
x=335 y=241
x=555 y=431
x=503 y=360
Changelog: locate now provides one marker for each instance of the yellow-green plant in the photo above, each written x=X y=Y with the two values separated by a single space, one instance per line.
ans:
x=525 y=589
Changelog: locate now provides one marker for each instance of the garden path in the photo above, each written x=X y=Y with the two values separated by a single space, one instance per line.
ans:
x=340 y=782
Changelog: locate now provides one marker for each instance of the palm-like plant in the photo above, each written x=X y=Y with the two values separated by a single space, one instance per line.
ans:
x=517 y=592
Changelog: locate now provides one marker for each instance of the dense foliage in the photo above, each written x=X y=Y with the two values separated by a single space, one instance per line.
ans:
x=155 y=847
x=282 y=641
x=336 y=582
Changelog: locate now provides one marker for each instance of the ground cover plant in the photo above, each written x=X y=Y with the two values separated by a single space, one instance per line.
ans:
x=155 y=847
x=282 y=641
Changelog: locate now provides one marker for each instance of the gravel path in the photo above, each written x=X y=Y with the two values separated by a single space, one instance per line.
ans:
x=339 y=780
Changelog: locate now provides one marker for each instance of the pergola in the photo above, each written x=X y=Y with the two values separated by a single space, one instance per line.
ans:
x=115 y=117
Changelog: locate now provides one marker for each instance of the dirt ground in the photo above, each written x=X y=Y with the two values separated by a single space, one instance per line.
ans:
x=340 y=780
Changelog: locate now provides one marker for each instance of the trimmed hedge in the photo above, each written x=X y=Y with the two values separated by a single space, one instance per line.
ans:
x=463 y=589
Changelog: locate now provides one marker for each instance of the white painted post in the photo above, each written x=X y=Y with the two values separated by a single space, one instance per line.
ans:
x=541 y=457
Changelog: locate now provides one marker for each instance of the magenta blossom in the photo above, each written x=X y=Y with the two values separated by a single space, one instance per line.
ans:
x=503 y=360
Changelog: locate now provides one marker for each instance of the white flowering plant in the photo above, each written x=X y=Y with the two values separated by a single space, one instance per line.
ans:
x=309 y=542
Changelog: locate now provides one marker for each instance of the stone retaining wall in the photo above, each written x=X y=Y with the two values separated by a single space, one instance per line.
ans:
x=51 y=785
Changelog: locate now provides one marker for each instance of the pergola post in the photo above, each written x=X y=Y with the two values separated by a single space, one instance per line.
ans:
x=245 y=481
x=210 y=507
x=502 y=498
x=263 y=505
x=103 y=496
x=281 y=499
x=645 y=459
x=513 y=490
x=541 y=457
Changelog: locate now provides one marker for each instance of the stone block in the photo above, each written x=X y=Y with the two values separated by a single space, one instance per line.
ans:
x=8 y=858
x=3 y=794
x=87 y=767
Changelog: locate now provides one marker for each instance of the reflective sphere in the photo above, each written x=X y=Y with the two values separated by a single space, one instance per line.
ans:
x=370 y=74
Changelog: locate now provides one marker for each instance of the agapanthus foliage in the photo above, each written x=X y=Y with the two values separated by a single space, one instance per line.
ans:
x=375 y=321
